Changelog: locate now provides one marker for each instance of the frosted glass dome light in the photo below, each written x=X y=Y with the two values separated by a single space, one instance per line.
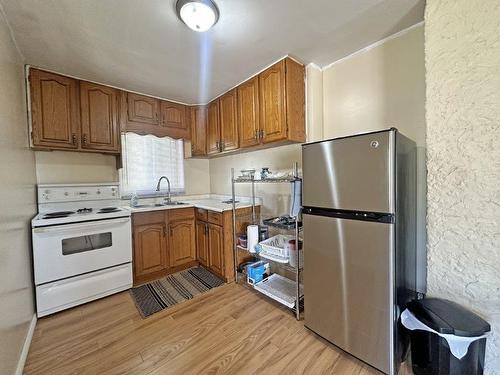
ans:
x=198 y=15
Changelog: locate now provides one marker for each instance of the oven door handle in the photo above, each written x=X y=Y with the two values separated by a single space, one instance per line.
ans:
x=86 y=225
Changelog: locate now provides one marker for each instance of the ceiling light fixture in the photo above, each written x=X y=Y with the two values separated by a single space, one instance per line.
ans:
x=198 y=15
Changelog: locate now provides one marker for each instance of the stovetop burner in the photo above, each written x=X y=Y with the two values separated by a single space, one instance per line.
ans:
x=106 y=210
x=84 y=210
x=57 y=214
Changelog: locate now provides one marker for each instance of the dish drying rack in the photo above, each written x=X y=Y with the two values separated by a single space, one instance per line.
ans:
x=281 y=289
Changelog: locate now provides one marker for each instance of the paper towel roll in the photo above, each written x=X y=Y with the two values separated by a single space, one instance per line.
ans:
x=252 y=237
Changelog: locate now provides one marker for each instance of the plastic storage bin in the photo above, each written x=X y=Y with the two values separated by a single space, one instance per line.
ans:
x=430 y=352
x=257 y=271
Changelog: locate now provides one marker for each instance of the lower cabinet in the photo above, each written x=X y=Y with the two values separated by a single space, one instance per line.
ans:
x=168 y=241
x=202 y=242
x=182 y=246
x=150 y=250
x=164 y=242
x=216 y=249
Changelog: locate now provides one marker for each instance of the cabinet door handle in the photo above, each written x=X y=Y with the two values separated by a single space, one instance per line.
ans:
x=222 y=146
x=73 y=139
x=171 y=232
x=164 y=231
x=84 y=139
x=217 y=146
x=256 y=134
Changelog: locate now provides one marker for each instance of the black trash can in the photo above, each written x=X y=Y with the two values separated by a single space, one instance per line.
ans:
x=430 y=353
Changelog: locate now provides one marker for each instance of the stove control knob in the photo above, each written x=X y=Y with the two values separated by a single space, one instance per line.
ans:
x=98 y=192
x=66 y=193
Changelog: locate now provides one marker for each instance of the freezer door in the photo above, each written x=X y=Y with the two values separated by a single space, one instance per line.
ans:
x=348 y=288
x=354 y=173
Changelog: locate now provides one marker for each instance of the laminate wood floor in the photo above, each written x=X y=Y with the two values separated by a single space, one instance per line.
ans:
x=228 y=330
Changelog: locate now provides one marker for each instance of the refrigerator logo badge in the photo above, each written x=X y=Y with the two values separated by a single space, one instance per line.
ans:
x=374 y=144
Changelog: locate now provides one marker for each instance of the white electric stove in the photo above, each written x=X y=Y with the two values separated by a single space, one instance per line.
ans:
x=82 y=245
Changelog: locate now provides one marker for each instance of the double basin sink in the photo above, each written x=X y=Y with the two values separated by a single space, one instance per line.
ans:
x=172 y=203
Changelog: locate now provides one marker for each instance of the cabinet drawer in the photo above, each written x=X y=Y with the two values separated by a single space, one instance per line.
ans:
x=151 y=217
x=181 y=213
x=201 y=214
x=214 y=217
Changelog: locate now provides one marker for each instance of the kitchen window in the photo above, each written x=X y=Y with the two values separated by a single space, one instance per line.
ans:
x=145 y=158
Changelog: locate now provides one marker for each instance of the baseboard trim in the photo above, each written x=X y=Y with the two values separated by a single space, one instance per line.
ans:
x=26 y=346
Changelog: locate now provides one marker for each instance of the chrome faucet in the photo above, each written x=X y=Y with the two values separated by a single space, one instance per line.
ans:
x=168 y=186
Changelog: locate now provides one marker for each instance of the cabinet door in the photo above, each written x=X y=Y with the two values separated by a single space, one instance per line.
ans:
x=54 y=110
x=215 y=249
x=182 y=246
x=150 y=252
x=228 y=121
x=202 y=242
x=198 y=117
x=213 y=128
x=142 y=109
x=99 y=112
x=248 y=113
x=173 y=117
x=272 y=103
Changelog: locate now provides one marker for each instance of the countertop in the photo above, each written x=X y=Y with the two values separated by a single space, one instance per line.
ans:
x=208 y=203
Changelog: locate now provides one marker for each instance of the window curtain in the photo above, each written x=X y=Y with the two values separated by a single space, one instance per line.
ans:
x=145 y=158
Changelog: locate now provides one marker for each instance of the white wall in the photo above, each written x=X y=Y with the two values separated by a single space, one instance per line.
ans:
x=17 y=192
x=64 y=167
x=379 y=88
x=462 y=49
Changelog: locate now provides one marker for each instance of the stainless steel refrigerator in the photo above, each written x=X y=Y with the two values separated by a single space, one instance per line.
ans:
x=359 y=212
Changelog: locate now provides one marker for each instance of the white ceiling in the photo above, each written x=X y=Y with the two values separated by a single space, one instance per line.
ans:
x=141 y=45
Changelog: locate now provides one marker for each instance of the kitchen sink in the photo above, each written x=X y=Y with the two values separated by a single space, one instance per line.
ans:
x=172 y=203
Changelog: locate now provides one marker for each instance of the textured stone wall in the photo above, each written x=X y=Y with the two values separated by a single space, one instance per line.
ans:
x=462 y=46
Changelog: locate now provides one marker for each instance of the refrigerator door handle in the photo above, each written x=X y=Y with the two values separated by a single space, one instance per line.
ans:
x=378 y=217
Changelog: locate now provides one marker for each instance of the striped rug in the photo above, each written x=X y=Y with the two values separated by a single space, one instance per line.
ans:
x=173 y=289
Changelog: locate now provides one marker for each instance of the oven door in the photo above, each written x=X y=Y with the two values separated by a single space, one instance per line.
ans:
x=67 y=250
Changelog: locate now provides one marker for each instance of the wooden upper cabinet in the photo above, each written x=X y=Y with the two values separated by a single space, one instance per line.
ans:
x=174 y=118
x=142 y=110
x=295 y=101
x=150 y=251
x=54 y=110
x=228 y=110
x=248 y=113
x=282 y=102
x=272 y=103
x=182 y=242
x=99 y=117
x=213 y=128
x=198 y=118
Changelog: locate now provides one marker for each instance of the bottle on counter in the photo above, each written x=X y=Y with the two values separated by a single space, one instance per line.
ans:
x=134 y=200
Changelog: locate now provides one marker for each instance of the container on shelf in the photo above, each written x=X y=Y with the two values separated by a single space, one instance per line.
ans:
x=257 y=271
x=296 y=256
x=276 y=245
x=242 y=240
x=263 y=233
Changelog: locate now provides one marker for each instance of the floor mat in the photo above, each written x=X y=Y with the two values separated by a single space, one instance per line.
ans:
x=161 y=294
